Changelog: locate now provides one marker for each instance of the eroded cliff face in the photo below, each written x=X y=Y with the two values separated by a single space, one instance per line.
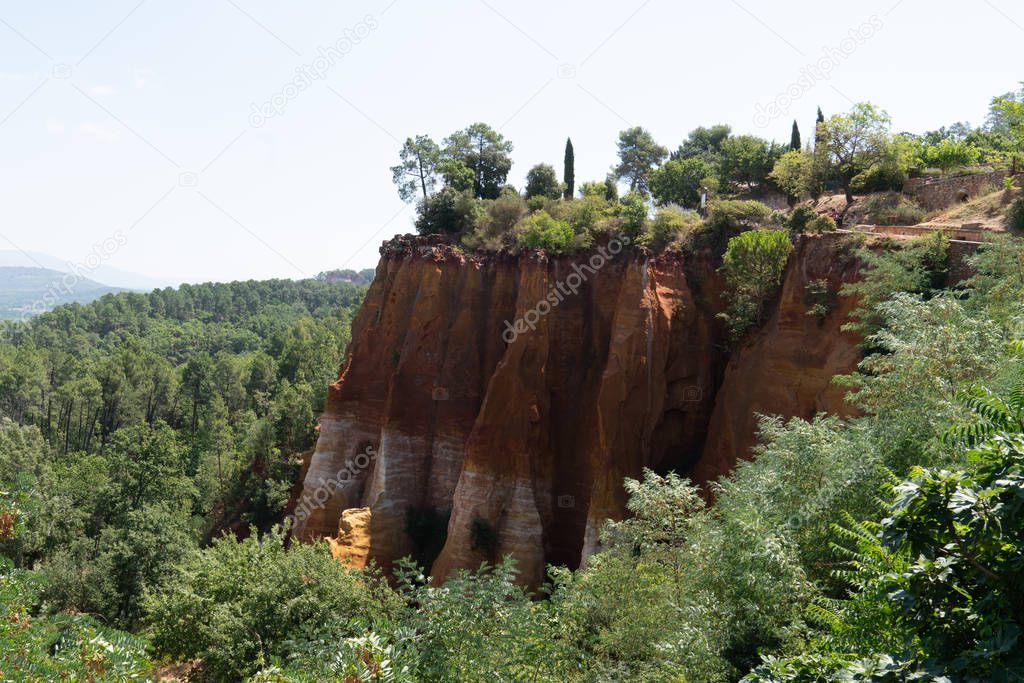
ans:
x=522 y=439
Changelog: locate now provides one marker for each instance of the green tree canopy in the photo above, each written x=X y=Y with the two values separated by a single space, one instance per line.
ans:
x=542 y=181
x=417 y=173
x=485 y=152
x=856 y=141
x=679 y=181
x=639 y=154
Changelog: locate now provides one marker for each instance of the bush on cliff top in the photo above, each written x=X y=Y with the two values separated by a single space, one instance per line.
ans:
x=540 y=231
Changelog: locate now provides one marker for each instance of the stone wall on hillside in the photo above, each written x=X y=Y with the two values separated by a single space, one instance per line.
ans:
x=936 y=194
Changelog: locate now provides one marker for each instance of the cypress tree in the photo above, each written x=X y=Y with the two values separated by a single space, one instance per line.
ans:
x=569 y=172
x=794 y=139
x=818 y=131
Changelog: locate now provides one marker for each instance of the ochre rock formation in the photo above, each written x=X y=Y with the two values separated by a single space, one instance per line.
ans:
x=522 y=440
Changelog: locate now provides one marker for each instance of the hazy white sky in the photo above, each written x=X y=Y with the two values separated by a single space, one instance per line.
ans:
x=138 y=117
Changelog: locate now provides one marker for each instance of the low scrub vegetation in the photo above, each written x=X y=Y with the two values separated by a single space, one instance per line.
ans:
x=894 y=209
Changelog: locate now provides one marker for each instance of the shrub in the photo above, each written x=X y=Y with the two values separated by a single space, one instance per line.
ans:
x=894 y=209
x=585 y=214
x=671 y=227
x=1015 y=214
x=738 y=213
x=540 y=231
x=800 y=218
x=496 y=222
x=819 y=298
x=633 y=214
x=821 y=224
x=542 y=181
x=448 y=211
x=753 y=265
x=729 y=217
x=238 y=602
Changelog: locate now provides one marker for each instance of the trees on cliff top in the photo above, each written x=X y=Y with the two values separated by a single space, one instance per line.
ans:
x=475 y=159
x=856 y=141
x=639 y=154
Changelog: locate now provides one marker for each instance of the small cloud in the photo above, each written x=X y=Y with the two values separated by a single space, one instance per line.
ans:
x=55 y=127
x=101 y=90
x=101 y=133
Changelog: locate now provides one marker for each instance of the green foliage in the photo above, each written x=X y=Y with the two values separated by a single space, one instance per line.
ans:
x=542 y=181
x=482 y=625
x=794 y=174
x=753 y=265
x=486 y=153
x=417 y=173
x=457 y=175
x=731 y=215
x=918 y=267
x=800 y=219
x=239 y=602
x=671 y=227
x=569 y=170
x=746 y=160
x=935 y=587
x=704 y=142
x=819 y=298
x=587 y=213
x=632 y=212
x=856 y=141
x=794 y=138
x=639 y=154
x=821 y=224
x=495 y=223
x=151 y=421
x=1015 y=215
x=63 y=647
x=679 y=181
x=949 y=154
x=540 y=231
x=447 y=211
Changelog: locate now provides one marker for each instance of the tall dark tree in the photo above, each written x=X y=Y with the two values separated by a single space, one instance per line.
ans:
x=485 y=152
x=794 y=138
x=819 y=130
x=569 y=170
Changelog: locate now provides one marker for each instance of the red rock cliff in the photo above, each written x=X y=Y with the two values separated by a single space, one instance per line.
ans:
x=525 y=438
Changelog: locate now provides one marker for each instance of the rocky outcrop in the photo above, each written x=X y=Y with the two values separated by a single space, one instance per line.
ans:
x=512 y=394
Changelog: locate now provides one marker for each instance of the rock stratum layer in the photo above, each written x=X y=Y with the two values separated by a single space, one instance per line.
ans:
x=522 y=441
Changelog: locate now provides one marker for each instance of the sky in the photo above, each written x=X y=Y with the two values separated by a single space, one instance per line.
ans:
x=233 y=139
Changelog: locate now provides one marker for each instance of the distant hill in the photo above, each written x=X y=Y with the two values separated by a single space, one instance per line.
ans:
x=28 y=291
x=113 y=277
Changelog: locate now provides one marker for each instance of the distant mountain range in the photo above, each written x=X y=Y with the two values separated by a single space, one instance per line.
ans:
x=25 y=292
x=32 y=282
x=111 y=277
